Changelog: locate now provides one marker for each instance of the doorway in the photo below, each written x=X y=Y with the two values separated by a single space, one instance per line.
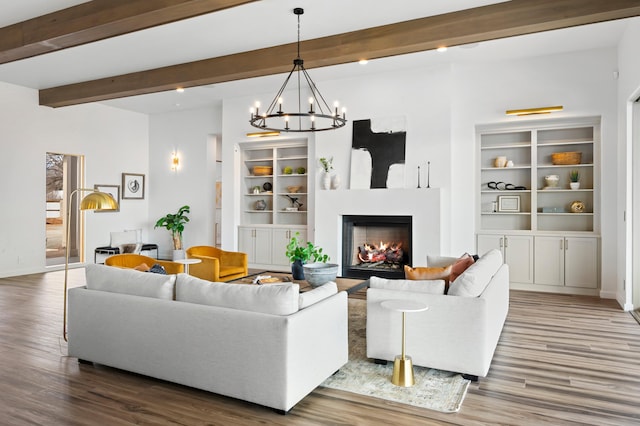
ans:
x=63 y=175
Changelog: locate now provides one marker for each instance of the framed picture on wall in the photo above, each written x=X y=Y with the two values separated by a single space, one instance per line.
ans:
x=509 y=203
x=114 y=191
x=132 y=186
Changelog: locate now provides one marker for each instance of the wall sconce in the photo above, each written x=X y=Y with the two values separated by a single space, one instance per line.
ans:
x=175 y=161
x=531 y=111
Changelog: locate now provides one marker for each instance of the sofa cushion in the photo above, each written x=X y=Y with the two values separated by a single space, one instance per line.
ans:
x=319 y=293
x=418 y=286
x=473 y=281
x=275 y=299
x=129 y=281
x=461 y=265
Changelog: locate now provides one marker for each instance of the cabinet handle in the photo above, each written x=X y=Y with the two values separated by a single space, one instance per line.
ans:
x=566 y=244
x=562 y=244
x=506 y=242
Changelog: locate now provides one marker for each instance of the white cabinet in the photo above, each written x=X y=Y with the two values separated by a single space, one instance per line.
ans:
x=517 y=252
x=281 y=237
x=567 y=261
x=256 y=242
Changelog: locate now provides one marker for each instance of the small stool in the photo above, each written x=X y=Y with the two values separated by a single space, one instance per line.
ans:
x=402 y=365
x=187 y=262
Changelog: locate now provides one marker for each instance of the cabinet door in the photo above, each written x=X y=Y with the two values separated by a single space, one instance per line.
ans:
x=281 y=237
x=262 y=245
x=581 y=262
x=246 y=243
x=518 y=254
x=486 y=242
x=549 y=260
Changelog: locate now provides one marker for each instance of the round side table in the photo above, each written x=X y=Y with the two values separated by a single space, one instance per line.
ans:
x=402 y=365
x=187 y=262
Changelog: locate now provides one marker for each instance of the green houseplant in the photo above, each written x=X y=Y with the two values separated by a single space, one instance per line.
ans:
x=574 y=177
x=300 y=253
x=174 y=223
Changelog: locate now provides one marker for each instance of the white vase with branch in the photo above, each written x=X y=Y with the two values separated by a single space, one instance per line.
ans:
x=327 y=166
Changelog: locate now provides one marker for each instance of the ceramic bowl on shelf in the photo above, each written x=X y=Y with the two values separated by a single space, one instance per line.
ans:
x=262 y=170
x=294 y=188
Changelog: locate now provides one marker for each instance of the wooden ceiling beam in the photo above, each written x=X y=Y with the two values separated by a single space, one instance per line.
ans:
x=512 y=18
x=97 y=20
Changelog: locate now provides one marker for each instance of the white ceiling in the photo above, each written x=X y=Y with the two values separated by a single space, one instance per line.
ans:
x=262 y=24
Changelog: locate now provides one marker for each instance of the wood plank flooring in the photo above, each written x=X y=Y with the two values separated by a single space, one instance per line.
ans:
x=561 y=360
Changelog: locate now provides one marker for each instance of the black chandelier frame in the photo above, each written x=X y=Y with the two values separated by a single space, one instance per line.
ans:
x=320 y=115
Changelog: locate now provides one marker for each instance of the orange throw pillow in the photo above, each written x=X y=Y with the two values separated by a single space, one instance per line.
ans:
x=142 y=267
x=426 y=273
x=460 y=266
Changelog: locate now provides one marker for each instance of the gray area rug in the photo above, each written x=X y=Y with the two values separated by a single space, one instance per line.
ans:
x=434 y=389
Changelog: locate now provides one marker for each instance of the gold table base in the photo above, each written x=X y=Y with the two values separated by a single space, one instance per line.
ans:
x=403 y=371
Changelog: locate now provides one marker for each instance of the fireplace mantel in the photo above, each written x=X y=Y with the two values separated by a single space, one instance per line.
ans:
x=424 y=205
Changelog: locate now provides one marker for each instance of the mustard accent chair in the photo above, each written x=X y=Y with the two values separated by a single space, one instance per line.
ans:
x=217 y=264
x=131 y=260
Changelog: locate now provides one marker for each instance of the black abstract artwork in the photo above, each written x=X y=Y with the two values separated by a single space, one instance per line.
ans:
x=378 y=153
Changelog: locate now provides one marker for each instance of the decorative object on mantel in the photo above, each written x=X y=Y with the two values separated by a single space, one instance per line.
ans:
x=428 y=174
x=336 y=182
x=378 y=153
x=418 y=177
x=574 y=177
x=174 y=223
x=300 y=253
x=319 y=117
x=327 y=166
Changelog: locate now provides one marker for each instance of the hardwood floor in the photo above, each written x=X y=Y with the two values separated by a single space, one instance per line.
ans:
x=561 y=360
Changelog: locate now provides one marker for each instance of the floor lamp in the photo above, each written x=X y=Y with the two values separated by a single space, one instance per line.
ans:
x=95 y=200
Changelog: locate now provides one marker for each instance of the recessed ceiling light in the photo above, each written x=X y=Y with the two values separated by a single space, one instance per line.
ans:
x=363 y=62
x=180 y=89
x=442 y=49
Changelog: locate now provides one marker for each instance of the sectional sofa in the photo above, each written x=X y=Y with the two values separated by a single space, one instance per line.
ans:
x=267 y=344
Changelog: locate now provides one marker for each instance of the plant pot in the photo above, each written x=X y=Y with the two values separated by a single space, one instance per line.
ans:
x=297 y=271
x=317 y=274
x=178 y=254
x=325 y=182
x=574 y=185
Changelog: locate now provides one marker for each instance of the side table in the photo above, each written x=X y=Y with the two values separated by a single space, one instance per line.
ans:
x=187 y=262
x=402 y=365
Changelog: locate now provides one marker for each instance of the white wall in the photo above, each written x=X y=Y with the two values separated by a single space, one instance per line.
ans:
x=192 y=134
x=628 y=85
x=112 y=140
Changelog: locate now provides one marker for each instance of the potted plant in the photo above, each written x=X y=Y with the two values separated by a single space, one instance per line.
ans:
x=574 y=176
x=327 y=166
x=300 y=253
x=174 y=223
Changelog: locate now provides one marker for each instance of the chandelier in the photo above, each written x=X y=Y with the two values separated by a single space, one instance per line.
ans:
x=317 y=118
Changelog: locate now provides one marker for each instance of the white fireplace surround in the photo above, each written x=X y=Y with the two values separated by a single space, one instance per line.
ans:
x=423 y=205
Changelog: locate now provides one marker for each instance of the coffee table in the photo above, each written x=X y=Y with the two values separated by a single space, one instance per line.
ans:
x=350 y=285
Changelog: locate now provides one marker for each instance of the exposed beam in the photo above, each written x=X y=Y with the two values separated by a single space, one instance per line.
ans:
x=500 y=20
x=97 y=20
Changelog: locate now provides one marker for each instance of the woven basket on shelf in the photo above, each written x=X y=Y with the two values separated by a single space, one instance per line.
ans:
x=262 y=170
x=563 y=158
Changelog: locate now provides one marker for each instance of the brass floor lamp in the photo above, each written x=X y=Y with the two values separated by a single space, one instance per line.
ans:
x=96 y=200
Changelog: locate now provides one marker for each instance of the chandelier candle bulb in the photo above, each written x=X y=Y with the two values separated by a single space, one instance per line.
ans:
x=280 y=105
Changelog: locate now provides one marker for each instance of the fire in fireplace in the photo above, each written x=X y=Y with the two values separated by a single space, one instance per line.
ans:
x=375 y=245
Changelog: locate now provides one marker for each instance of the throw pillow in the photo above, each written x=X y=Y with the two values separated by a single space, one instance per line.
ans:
x=427 y=273
x=128 y=281
x=143 y=267
x=475 y=279
x=128 y=248
x=460 y=266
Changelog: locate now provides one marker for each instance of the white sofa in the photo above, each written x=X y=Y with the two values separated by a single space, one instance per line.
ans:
x=267 y=344
x=459 y=331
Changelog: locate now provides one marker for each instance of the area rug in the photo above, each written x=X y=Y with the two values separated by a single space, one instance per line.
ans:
x=434 y=389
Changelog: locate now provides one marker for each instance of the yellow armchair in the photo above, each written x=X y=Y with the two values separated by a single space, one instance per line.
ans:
x=217 y=264
x=131 y=260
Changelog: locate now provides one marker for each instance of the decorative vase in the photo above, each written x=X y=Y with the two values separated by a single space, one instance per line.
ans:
x=336 y=181
x=551 y=181
x=500 y=161
x=260 y=205
x=326 y=181
x=574 y=185
x=296 y=270
x=178 y=254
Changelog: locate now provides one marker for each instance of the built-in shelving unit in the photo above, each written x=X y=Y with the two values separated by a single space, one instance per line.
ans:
x=264 y=232
x=516 y=201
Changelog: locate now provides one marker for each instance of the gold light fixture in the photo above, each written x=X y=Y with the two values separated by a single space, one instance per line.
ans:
x=532 y=111
x=263 y=134
x=319 y=115
x=175 y=161
x=96 y=200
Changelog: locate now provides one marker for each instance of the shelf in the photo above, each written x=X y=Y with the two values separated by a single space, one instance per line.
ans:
x=566 y=142
x=507 y=146
x=505 y=191
x=561 y=190
x=563 y=166
x=262 y=194
x=292 y=193
x=258 y=176
x=293 y=157
x=293 y=175
x=508 y=213
x=565 y=214
x=484 y=169
x=258 y=211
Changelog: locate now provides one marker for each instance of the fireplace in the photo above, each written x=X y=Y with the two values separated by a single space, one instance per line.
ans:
x=376 y=245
